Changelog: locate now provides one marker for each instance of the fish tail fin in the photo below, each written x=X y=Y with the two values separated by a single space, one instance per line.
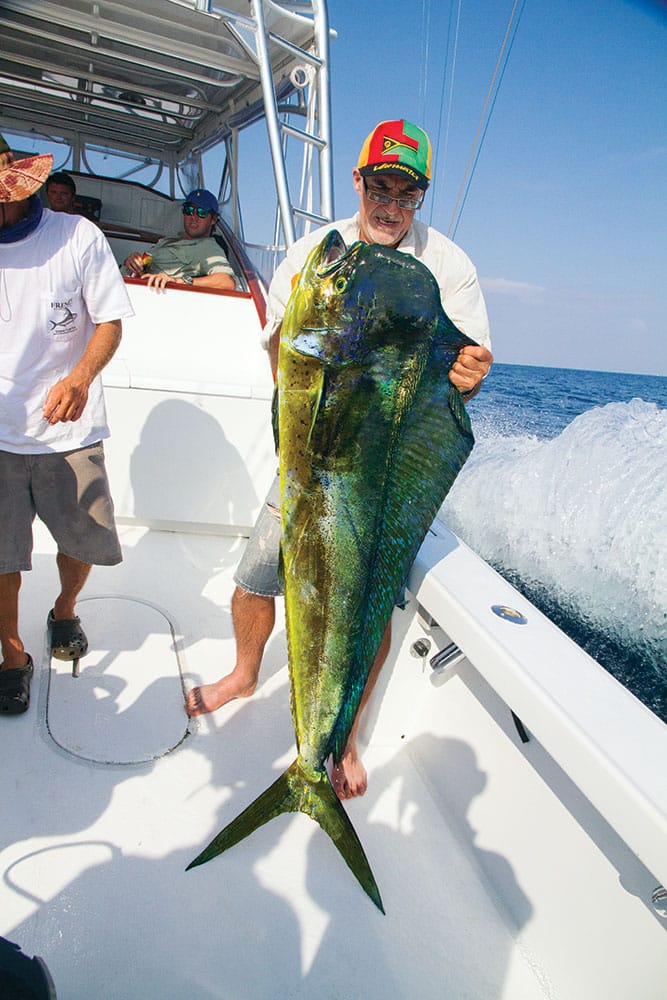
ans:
x=300 y=789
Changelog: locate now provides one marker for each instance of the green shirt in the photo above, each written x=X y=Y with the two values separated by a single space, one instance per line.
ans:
x=183 y=258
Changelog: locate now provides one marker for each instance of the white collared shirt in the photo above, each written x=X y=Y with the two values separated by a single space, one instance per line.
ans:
x=460 y=291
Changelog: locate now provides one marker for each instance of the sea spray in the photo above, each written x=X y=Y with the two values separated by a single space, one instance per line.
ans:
x=579 y=519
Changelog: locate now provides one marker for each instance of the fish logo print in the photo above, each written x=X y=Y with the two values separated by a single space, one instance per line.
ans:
x=66 y=323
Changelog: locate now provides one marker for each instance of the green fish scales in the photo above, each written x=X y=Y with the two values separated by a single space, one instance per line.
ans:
x=372 y=435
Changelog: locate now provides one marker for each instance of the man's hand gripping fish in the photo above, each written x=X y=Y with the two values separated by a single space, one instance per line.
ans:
x=372 y=435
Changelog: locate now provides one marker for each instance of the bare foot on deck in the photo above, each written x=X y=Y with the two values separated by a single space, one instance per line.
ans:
x=349 y=778
x=210 y=697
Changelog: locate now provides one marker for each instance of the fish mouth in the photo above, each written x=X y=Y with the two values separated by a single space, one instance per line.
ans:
x=334 y=252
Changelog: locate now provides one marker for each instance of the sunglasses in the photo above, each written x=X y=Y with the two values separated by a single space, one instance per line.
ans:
x=412 y=204
x=201 y=213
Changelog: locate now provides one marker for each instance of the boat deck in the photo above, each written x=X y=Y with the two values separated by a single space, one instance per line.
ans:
x=117 y=791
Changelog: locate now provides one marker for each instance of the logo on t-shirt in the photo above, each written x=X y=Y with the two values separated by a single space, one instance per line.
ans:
x=65 y=321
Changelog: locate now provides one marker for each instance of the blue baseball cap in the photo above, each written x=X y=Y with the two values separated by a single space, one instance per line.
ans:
x=201 y=198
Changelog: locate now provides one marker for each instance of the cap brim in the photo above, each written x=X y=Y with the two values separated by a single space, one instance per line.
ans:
x=23 y=177
x=395 y=168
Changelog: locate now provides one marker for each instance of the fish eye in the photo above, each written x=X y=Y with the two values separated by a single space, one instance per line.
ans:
x=340 y=283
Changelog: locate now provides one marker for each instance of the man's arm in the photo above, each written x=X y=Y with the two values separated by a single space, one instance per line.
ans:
x=471 y=366
x=134 y=264
x=465 y=306
x=222 y=281
x=67 y=399
x=274 y=345
x=225 y=282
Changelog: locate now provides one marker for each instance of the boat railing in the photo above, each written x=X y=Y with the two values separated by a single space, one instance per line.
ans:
x=311 y=77
x=574 y=714
x=265 y=259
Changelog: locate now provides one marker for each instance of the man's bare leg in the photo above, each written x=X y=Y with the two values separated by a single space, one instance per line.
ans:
x=73 y=575
x=349 y=777
x=13 y=653
x=253 y=618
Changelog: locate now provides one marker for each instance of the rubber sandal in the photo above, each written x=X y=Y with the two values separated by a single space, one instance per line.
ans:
x=15 y=688
x=23 y=976
x=67 y=640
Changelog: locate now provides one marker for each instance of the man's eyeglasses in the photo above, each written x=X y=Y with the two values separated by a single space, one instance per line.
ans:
x=412 y=204
x=201 y=213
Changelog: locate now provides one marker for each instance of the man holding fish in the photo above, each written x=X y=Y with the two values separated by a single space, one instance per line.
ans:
x=391 y=177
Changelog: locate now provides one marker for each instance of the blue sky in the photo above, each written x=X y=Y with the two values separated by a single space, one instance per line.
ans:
x=566 y=217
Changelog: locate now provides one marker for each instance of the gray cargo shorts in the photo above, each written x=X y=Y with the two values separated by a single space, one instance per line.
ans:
x=257 y=571
x=69 y=492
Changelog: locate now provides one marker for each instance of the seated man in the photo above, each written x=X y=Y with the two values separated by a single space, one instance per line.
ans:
x=194 y=258
x=60 y=192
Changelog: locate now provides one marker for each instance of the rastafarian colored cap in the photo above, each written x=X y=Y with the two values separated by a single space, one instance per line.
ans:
x=397 y=147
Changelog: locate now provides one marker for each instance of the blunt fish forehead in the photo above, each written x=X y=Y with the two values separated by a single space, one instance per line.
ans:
x=331 y=251
x=379 y=278
x=333 y=255
x=324 y=284
x=341 y=277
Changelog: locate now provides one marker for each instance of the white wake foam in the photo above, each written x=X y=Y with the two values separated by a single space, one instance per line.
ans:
x=583 y=514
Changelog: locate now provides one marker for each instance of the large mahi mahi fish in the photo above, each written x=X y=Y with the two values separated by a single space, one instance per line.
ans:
x=372 y=435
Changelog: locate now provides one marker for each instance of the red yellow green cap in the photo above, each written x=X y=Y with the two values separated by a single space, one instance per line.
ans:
x=397 y=147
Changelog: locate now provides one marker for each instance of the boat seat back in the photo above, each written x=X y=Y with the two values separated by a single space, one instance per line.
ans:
x=88 y=206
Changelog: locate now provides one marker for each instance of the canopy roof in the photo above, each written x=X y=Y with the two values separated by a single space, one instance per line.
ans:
x=160 y=75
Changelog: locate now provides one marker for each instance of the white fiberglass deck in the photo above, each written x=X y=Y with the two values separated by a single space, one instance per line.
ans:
x=94 y=855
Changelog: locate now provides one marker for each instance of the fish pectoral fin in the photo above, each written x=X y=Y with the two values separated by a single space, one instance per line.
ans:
x=458 y=410
x=300 y=789
x=318 y=398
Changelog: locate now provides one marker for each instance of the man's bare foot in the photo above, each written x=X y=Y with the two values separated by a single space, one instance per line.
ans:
x=349 y=778
x=210 y=697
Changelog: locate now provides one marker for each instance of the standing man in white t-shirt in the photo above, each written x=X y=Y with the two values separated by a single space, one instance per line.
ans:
x=391 y=177
x=61 y=304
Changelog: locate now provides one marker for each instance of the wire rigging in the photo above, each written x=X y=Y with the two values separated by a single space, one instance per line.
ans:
x=426 y=42
x=442 y=163
x=484 y=121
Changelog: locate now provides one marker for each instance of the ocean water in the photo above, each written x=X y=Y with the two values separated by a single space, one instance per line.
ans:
x=565 y=494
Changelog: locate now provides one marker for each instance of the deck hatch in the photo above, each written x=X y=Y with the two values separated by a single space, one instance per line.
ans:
x=126 y=707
